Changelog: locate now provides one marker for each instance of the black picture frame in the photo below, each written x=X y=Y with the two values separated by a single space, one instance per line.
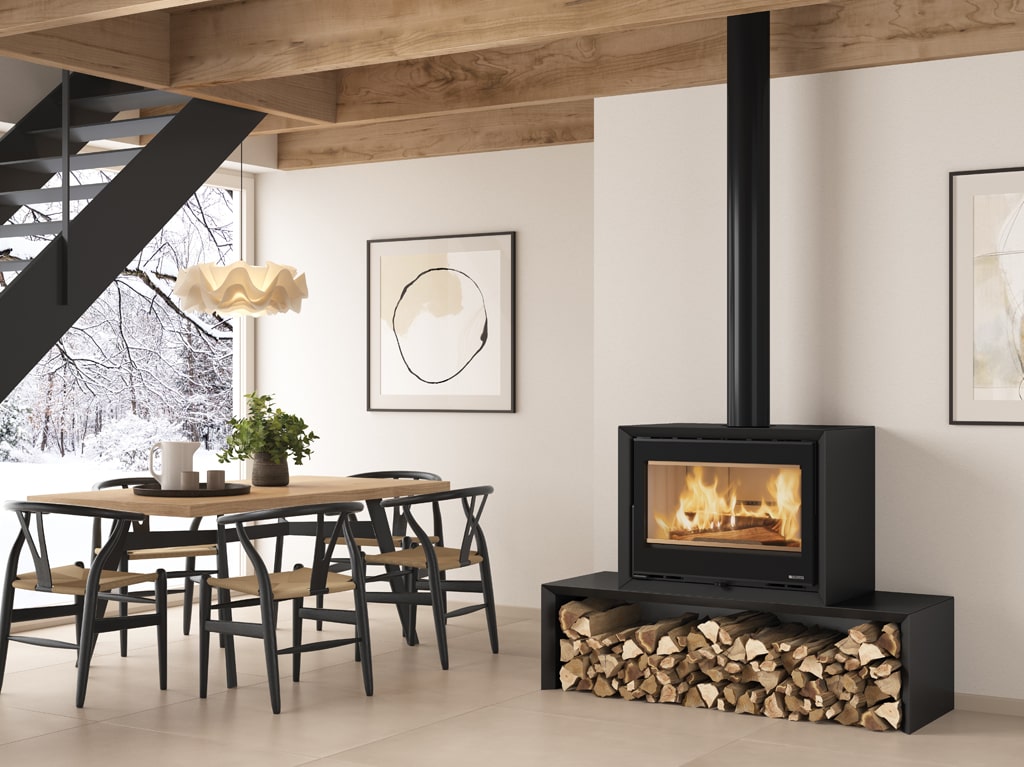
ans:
x=441 y=323
x=986 y=297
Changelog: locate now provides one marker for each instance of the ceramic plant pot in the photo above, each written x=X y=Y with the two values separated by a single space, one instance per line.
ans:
x=267 y=473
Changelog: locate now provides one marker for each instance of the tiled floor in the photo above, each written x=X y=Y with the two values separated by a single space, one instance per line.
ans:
x=486 y=708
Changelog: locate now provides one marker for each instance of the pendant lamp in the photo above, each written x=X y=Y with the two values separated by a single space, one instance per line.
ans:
x=241 y=289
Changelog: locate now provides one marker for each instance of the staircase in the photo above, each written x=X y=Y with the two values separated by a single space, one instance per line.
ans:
x=55 y=287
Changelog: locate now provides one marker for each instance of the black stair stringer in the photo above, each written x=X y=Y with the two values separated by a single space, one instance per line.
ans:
x=114 y=228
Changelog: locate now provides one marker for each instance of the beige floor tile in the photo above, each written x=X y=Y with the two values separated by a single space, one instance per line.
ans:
x=105 y=745
x=18 y=724
x=779 y=755
x=958 y=738
x=513 y=737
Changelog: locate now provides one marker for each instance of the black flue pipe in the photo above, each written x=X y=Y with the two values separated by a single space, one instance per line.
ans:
x=748 y=217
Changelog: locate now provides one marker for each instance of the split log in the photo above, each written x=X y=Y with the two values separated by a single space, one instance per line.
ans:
x=891 y=685
x=886 y=668
x=732 y=627
x=668 y=694
x=760 y=643
x=611 y=663
x=607 y=620
x=734 y=691
x=709 y=692
x=870 y=720
x=649 y=635
x=873 y=695
x=775 y=706
x=631 y=649
x=865 y=632
x=890 y=712
x=693 y=698
x=751 y=702
x=849 y=715
x=631 y=672
x=571 y=612
x=812 y=665
x=847 y=646
x=869 y=652
x=603 y=687
x=568 y=649
x=889 y=641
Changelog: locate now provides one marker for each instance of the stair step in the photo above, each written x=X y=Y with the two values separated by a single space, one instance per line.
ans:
x=13 y=265
x=25 y=230
x=122 y=102
x=50 y=194
x=116 y=158
x=137 y=126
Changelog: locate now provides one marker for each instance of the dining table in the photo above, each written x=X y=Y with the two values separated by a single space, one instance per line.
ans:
x=300 y=491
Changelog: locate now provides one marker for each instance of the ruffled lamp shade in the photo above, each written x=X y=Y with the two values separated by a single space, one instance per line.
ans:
x=241 y=289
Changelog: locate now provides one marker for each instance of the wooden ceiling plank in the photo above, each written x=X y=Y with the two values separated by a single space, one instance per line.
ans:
x=21 y=16
x=870 y=33
x=134 y=49
x=467 y=133
x=310 y=98
x=635 y=61
x=265 y=38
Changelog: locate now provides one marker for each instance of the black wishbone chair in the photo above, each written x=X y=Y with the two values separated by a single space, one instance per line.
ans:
x=188 y=551
x=366 y=536
x=265 y=589
x=91 y=587
x=427 y=561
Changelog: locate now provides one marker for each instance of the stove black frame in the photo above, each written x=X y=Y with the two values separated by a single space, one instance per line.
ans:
x=837 y=556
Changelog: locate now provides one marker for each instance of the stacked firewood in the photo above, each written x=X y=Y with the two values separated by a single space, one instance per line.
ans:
x=747 y=662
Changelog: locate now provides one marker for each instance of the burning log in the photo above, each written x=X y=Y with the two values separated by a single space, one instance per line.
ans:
x=744 y=662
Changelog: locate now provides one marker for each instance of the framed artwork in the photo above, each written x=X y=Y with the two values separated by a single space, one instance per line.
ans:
x=986 y=294
x=441 y=323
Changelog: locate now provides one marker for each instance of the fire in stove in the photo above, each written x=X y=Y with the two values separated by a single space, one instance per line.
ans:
x=746 y=506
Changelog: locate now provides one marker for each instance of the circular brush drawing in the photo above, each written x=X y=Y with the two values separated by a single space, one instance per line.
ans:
x=440 y=324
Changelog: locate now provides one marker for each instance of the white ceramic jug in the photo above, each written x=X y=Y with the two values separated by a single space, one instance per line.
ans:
x=175 y=457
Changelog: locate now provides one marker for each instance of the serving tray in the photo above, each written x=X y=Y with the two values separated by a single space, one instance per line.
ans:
x=230 y=488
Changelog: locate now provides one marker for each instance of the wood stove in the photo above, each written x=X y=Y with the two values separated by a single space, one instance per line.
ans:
x=778 y=507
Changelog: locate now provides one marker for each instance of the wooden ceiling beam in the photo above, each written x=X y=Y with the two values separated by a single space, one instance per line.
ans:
x=872 y=33
x=466 y=133
x=268 y=38
x=134 y=49
x=21 y=16
x=309 y=98
x=635 y=61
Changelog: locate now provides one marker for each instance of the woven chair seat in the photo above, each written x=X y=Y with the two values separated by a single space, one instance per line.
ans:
x=202 y=550
x=71 y=580
x=396 y=539
x=447 y=559
x=291 y=584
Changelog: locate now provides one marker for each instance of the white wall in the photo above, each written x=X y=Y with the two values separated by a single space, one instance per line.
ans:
x=860 y=164
x=539 y=521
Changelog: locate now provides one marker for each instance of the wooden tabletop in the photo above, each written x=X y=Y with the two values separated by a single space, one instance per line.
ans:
x=299 y=492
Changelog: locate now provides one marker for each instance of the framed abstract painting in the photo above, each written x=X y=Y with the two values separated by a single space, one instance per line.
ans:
x=441 y=323
x=986 y=294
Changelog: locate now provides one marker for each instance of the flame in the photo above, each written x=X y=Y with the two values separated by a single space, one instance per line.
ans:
x=703 y=507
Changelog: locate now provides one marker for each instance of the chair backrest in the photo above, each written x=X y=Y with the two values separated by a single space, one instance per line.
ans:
x=398 y=474
x=332 y=521
x=472 y=501
x=31 y=516
x=365 y=529
x=122 y=482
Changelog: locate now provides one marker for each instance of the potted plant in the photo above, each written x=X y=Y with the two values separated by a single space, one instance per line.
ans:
x=267 y=435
